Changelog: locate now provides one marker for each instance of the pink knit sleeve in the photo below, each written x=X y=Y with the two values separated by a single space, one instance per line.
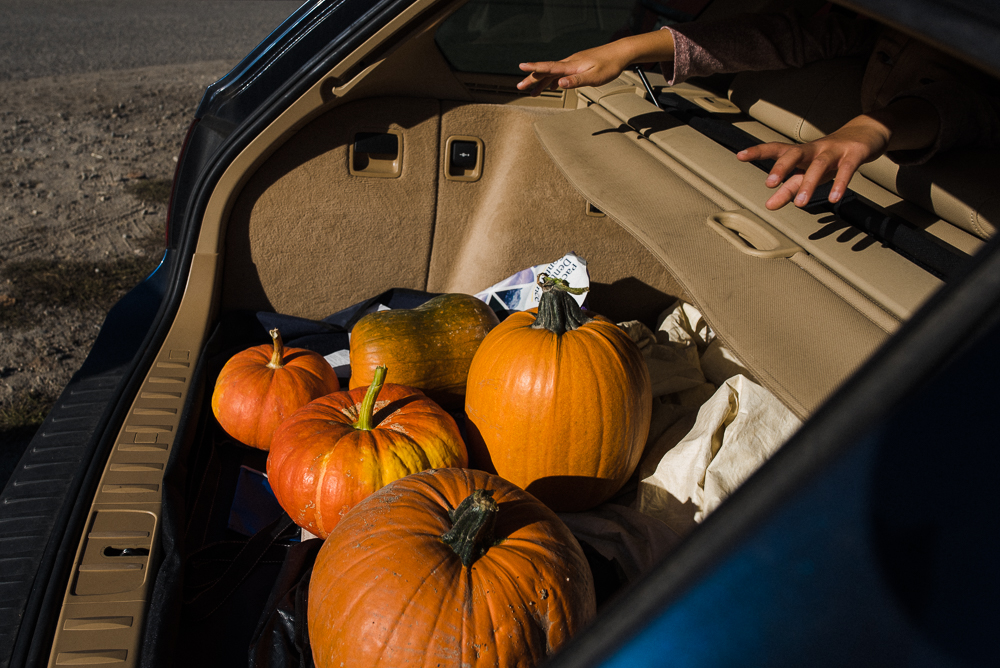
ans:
x=754 y=42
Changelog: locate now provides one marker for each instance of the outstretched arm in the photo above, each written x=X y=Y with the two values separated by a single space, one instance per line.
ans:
x=599 y=65
x=908 y=123
x=742 y=43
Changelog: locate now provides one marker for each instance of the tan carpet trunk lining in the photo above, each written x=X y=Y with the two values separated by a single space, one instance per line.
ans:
x=307 y=238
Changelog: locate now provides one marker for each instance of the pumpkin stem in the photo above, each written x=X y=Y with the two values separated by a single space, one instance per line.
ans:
x=558 y=312
x=279 y=350
x=471 y=533
x=368 y=403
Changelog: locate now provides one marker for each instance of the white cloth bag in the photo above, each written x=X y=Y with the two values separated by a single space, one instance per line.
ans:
x=712 y=426
x=735 y=431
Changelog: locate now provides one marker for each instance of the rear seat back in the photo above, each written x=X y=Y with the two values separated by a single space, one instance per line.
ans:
x=958 y=186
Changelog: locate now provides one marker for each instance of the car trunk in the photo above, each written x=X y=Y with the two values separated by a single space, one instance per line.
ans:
x=353 y=193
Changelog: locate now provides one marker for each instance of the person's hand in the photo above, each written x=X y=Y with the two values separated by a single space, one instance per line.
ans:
x=593 y=67
x=907 y=123
x=799 y=168
x=599 y=65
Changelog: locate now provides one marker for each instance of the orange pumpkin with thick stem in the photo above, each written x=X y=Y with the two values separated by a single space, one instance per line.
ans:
x=338 y=449
x=559 y=402
x=429 y=347
x=451 y=567
x=261 y=386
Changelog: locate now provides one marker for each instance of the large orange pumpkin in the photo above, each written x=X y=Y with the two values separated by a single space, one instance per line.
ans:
x=429 y=347
x=559 y=403
x=338 y=449
x=261 y=386
x=451 y=567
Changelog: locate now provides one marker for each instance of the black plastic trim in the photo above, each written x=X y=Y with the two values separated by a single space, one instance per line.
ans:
x=41 y=512
x=26 y=629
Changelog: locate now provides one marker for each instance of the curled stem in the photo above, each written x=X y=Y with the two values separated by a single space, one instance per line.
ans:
x=368 y=403
x=279 y=350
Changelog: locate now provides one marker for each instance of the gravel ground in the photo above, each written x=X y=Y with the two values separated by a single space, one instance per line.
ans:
x=56 y=37
x=85 y=166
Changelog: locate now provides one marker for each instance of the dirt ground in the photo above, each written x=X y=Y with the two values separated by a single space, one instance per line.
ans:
x=85 y=168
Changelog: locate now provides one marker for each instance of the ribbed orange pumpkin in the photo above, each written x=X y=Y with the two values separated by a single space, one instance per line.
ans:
x=429 y=347
x=559 y=403
x=261 y=386
x=451 y=567
x=338 y=449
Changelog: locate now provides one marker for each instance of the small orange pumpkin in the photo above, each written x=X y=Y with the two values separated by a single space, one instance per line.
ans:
x=429 y=347
x=261 y=386
x=559 y=402
x=451 y=567
x=338 y=449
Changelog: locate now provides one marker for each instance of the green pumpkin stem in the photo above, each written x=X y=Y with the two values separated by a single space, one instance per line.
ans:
x=368 y=403
x=279 y=350
x=471 y=533
x=558 y=312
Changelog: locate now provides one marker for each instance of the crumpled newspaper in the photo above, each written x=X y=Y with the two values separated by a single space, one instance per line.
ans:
x=521 y=292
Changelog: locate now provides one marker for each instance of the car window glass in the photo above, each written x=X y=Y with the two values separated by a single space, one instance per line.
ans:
x=493 y=36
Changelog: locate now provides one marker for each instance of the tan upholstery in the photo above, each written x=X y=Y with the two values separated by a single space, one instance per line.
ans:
x=523 y=212
x=878 y=273
x=307 y=238
x=808 y=103
x=798 y=336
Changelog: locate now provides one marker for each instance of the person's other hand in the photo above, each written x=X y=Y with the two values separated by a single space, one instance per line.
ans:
x=799 y=168
x=593 y=67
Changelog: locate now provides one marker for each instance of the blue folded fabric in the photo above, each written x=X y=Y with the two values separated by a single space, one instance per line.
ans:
x=254 y=505
x=331 y=333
